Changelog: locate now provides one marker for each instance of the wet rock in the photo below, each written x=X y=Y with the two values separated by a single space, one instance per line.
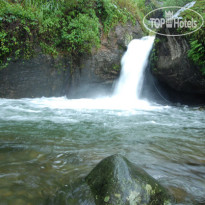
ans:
x=116 y=181
x=171 y=65
x=78 y=193
x=179 y=194
x=97 y=72
x=85 y=75
x=37 y=77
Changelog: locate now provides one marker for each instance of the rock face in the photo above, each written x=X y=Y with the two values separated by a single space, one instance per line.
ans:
x=98 y=71
x=34 y=78
x=88 y=76
x=116 y=181
x=171 y=65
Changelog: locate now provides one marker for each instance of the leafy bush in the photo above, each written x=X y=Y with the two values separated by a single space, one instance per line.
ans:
x=197 y=54
x=18 y=32
x=63 y=26
x=175 y=2
x=81 y=33
x=197 y=39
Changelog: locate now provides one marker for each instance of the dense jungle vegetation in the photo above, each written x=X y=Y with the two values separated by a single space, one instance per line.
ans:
x=197 y=39
x=73 y=27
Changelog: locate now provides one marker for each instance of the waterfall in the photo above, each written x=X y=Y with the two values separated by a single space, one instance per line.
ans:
x=133 y=64
x=127 y=91
x=187 y=6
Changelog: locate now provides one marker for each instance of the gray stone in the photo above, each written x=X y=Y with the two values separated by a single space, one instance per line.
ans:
x=98 y=71
x=116 y=181
x=36 y=77
x=171 y=65
x=85 y=76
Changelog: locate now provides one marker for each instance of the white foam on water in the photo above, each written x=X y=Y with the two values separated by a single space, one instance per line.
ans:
x=127 y=91
x=187 y=6
x=133 y=64
x=126 y=94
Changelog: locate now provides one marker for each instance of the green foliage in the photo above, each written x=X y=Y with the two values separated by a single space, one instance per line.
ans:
x=116 y=67
x=49 y=49
x=175 y=2
x=154 y=54
x=81 y=33
x=197 y=39
x=113 y=14
x=143 y=8
x=197 y=53
x=17 y=32
x=59 y=26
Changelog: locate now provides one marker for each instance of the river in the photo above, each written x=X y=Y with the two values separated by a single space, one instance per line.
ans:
x=47 y=143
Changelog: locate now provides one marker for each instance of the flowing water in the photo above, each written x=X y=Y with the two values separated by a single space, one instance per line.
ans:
x=47 y=143
x=133 y=64
x=187 y=6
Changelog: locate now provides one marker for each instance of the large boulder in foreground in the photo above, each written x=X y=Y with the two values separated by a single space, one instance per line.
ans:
x=116 y=181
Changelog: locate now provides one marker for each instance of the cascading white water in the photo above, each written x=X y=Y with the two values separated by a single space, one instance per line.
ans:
x=187 y=6
x=133 y=63
x=128 y=88
x=126 y=94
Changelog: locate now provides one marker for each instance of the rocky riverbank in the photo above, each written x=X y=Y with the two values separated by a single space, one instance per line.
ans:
x=88 y=75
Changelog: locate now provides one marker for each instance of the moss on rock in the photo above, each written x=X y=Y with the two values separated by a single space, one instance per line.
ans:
x=117 y=181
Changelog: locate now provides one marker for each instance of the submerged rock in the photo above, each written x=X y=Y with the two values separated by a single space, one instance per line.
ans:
x=116 y=181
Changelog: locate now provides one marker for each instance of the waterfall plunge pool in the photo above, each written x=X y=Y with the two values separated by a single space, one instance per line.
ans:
x=48 y=143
